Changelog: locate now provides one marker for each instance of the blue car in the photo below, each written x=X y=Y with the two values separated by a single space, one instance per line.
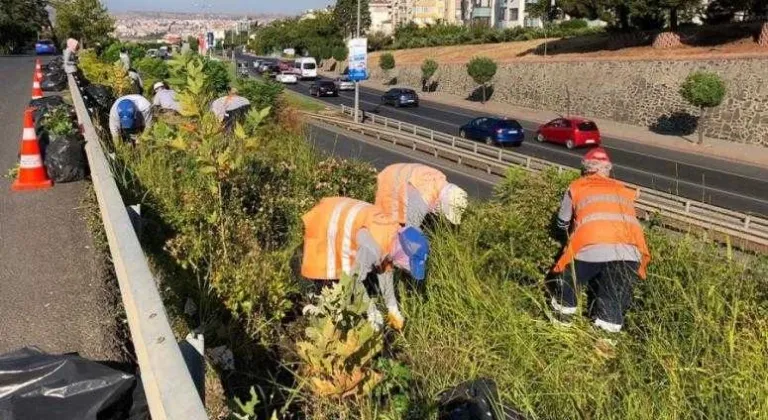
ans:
x=491 y=130
x=45 y=46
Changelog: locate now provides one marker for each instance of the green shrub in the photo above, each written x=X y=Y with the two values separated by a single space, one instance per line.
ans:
x=217 y=76
x=261 y=93
x=428 y=69
x=572 y=25
x=387 y=62
x=703 y=90
x=340 y=53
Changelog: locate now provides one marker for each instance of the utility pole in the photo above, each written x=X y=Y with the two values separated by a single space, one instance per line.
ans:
x=357 y=82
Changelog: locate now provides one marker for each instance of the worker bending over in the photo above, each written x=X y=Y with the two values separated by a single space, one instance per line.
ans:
x=407 y=192
x=165 y=98
x=129 y=116
x=231 y=109
x=606 y=251
x=352 y=237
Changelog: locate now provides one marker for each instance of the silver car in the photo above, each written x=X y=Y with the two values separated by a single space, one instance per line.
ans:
x=344 y=83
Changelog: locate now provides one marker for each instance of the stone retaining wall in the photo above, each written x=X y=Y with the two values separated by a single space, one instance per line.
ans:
x=643 y=93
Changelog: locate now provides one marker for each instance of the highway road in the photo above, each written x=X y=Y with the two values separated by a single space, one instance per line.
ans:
x=344 y=144
x=723 y=183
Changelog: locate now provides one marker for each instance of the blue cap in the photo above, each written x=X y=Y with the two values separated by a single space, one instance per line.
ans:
x=416 y=247
x=126 y=110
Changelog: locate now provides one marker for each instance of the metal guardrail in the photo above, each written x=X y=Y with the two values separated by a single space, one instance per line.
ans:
x=168 y=385
x=741 y=230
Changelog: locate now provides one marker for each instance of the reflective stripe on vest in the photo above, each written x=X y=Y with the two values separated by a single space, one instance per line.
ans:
x=608 y=217
x=400 y=191
x=392 y=187
x=347 y=253
x=602 y=198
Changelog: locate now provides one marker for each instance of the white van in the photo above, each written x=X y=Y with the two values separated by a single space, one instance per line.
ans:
x=306 y=67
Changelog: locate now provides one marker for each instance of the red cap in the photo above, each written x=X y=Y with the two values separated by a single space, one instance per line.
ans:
x=598 y=153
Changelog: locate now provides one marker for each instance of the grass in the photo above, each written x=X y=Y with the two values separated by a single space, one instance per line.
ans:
x=302 y=102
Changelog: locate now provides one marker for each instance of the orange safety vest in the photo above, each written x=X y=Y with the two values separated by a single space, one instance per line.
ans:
x=604 y=212
x=392 y=187
x=330 y=236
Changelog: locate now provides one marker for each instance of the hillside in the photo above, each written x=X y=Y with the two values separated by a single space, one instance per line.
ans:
x=728 y=41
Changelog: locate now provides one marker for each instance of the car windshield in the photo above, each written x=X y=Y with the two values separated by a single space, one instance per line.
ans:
x=44 y=42
x=407 y=92
x=309 y=66
x=587 y=126
x=344 y=79
x=508 y=124
x=327 y=84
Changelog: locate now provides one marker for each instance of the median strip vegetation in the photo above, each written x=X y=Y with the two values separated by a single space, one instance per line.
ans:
x=224 y=229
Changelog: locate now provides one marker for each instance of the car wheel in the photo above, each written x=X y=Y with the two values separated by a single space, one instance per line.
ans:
x=489 y=141
x=570 y=144
x=463 y=134
x=540 y=138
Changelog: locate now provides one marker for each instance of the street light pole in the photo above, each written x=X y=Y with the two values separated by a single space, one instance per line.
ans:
x=357 y=82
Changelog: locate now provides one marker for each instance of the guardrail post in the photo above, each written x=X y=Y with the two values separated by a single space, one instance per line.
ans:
x=528 y=163
x=475 y=147
x=453 y=142
x=500 y=154
x=432 y=135
x=399 y=126
x=386 y=120
x=414 y=130
x=687 y=206
x=747 y=221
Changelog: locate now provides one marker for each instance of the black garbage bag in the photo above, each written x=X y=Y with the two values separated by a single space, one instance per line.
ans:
x=36 y=385
x=474 y=400
x=99 y=96
x=65 y=159
x=55 y=82
x=55 y=64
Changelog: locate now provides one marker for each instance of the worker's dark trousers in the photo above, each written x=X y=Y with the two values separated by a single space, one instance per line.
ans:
x=609 y=290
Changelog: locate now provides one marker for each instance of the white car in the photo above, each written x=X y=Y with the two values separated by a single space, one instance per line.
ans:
x=287 y=78
x=343 y=83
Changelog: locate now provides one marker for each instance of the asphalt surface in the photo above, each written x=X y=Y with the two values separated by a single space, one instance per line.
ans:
x=720 y=182
x=334 y=141
x=52 y=292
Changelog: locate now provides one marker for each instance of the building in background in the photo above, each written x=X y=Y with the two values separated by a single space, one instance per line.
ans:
x=512 y=13
x=382 y=17
x=426 y=12
x=453 y=12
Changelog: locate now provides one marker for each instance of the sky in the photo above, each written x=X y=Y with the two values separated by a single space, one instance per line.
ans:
x=224 y=6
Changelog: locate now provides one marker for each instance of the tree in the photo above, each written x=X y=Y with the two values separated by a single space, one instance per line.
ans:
x=387 y=63
x=703 y=90
x=20 y=22
x=428 y=69
x=340 y=53
x=481 y=70
x=84 y=20
x=345 y=16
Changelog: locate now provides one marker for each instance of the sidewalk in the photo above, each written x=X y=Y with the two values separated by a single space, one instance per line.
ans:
x=53 y=293
x=720 y=149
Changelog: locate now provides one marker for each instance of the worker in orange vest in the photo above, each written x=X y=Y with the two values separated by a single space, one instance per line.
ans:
x=606 y=250
x=352 y=237
x=409 y=191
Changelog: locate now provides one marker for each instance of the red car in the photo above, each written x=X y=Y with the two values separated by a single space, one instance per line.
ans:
x=572 y=132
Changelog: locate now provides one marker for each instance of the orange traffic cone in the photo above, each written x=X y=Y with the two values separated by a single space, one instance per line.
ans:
x=32 y=175
x=37 y=92
x=38 y=70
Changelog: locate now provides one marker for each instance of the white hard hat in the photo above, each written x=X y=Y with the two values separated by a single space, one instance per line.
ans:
x=157 y=86
x=453 y=202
